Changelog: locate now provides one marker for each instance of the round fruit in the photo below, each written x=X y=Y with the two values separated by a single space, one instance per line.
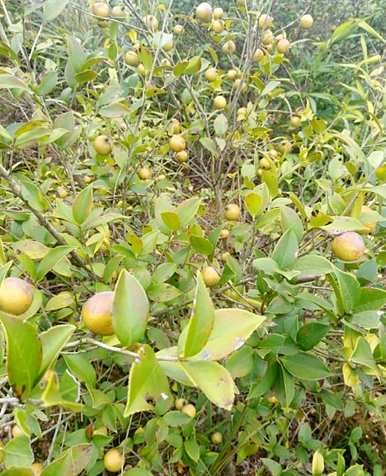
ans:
x=177 y=143
x=16 y=296
x=224 y=233
x=165 y=62
x=306 y=21
x=370 y=224
x=189 y=410
x=210 y=276
x=204 y=12
x=117 y=12
x=283 y=45
x=17 y=431
x=182 y=156
x=232 y=212
x=180 y=403
x=211 y=74
x=380 y=173
x=232 y=74
x=295 y=121
x=37 y=469
x=144 y=173
x=265 y=21
x=100 y=9
x=178 y=29
x=62 y=192
x=218 y=26
x=131 y=58
x=265 y=163
x=218 y=13
x=225 y=256
x=216 y=438
x=242 y=113
x=258 y=55
x=229 y=47
x=168 y=46
x=175 y=126
x=114 y=460
x=102 y=145
x=151 y=22
x=348 y=246
x=219 y=102
x=141 y=69
x=267 y=37
x=97 y=313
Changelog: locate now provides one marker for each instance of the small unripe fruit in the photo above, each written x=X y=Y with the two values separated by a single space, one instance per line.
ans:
x=210 y=276
x=265 y=163
x=260 y=172
x=141 y=69
x=283 y=45
x=165 y=62
x=224 y=233
x=100 y=9
x=225 y=256
x=232 y=74
x=114 y=460
x=102 y=145
x=218 y=26
x=168 y=46
x=306 y=21
x=180 y=403
x=380 y=173
x=97 y=313
x=144 y=173
x=267 y=37
x=177 y=143
x=17 y=431
x=295 y=121
x=211 y=74
x=131 y=58
x=232 y=212
x=16 y=296
x=218 y=13
x=189 y=410
x=182 y=156
x=161 y=177
x=258 y=55
x=37 y=469
x=62 y=192
x=204 y=12
x=219 y=102
x=348 y=246
x=151 y=22
x=229 y=47
x=240 y=84
x=175 y=126
x=265 y=21
x=216 y=438
x=117 y=12
x=178 y=29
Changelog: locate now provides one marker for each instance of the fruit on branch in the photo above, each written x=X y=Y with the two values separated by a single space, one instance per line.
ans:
x=114 y=460
x=224 y=233
x=204 y=12
x=117 y=12
x=211 y=74
x=16 y=296
x=131 y=58
x=219 y=102
x=265 y=21
x=265 y=163
x=306 y=21
x=348 y=246
x=189 y=410
x=295 y=121
x=210 y=276
x=218 y=13
x=182 y=156
x=267 y=37
x=216 y=438
x=97 y=313
x=178 y=29
x=229 y=47
x=100 y=9
x=283 y=45
x=258 y=55
x=151 y=22
x=218 y=26
x=180 y=403
x=177 y=143
x=102 y=145
x=144 y=173
x=232 y=212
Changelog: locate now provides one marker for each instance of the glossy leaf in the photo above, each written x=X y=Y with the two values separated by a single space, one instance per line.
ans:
x=82 y=205
x=51 y=259
x=53 y=340
x=71 y=463
x=305 y=366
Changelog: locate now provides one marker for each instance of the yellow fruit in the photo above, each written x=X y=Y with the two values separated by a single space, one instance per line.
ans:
x=144 y=173
x=210 y=276
x=306 y=21
x=283 y=45
x=151 y=22
x=17 y=431
x=219 y=102
x=62 y=192
x=229 y=47
x=232 y=74
x=218 y=26
x=348 y=246
x=100 y=9
x=273 y=154
x=175 y=126
x=366 y=220
x=165 y=62
x=161 y=177
x=216 y=438
x=177 y=143
x=260 y=172
x=180 y=403
x=168 y=46
x=265 y=21
x=102 y=145
x=242 y=113
x=265 y=163
x=258 y=55
x=97 y=313
x=240 y=84
x=189 y=410
x=232 y=212
x=182 y=156
x=225 y=256
x=114 y=460
x=218 y=13
x=178 y=29
x=211 y=74
x=117 y=12
x=267 y=37
x=16 y=296
x=37 y=469
x=295 y=121
x=204 y=12
x=131 y=58
x=380 y=173
x=141 y=69
x=224 y=233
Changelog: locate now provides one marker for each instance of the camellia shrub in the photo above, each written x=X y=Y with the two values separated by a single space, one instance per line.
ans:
x=192 y=233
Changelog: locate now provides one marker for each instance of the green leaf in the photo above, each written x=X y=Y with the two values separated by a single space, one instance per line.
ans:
x=17 y=472
x=193 y=66
x=362 y=354
x=305 y=366
x=171 y=220
x=370 y=299
x=220 y=125
x=231 y=329
x=241 y=362
x=266 y=383
x=187 y=210
x=341 y=224
x=200 y=323
x=349 y=289
x=202 y=245
x=83 y=205
x=286 y=250
x=192 y=449
x=53 y=340
x=8 y=81
x=60 y=301
x=81 y=367
x=76 y=54
x=209 y=145
x=267 y=265
x=176 y=418
x=130 y=309
x=53 y=8
x=213 y=380
x=254 y=203
x=32 y=193
x=51 y=259
x=137 y=472
x=24 y=354
x=18 y=453
x=311 y=334
x=47 y=84
x=312 y=265
x=290 y=221
x=71 y=463
x=146 y=380
x=284 y=387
